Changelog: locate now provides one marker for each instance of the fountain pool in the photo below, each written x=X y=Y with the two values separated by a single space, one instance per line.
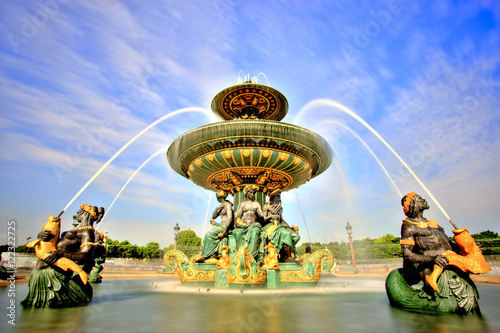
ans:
x=336 y=304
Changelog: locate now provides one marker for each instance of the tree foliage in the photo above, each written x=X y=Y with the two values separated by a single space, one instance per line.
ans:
x=188 y=238
x=188 y=242
x=116 y=249
x=488 y=241
x=387 y=246
x=490 y=235
x=152 y=250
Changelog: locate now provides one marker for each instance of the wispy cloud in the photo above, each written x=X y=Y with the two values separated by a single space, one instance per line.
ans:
x=82 y=83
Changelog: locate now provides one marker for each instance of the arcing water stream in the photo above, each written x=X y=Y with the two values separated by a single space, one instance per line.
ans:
x=130 y=178
x=343 y=108
x=337 y=123
x=306 y=108
x=138 y=135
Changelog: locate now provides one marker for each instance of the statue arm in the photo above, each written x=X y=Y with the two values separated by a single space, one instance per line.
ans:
x=85 y=252
x=239 y=212
x=217 y=211
x=266 y=213
x=75 y=256
x=229 y=217
x=258 y=212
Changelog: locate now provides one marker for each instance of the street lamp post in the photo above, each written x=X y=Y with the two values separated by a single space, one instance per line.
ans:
x=348 y=227
x=176 y=232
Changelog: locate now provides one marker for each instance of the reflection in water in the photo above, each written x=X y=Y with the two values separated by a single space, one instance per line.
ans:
x=350 y=304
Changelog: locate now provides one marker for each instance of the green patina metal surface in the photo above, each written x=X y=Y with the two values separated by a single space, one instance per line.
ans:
x=244 y=273
x=255 y=134
x=221 y=279
x=54 y=288
x=273 y=279
x=457 y=293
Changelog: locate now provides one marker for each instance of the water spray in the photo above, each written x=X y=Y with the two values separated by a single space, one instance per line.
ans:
x=304 y=218
x=128 y=181
x=337 y=105
x=193 y=109
x=369 y=149
x=206 y=216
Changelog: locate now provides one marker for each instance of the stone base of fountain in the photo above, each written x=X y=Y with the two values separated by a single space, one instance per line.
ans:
x=243 y=272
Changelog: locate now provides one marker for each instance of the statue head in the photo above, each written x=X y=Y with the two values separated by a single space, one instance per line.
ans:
x=221 y=195
x=275 y=196
x=250 y=189
x=88 y=215
x=413 y=204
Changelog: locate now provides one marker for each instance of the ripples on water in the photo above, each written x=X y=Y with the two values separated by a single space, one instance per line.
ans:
x=336 y=305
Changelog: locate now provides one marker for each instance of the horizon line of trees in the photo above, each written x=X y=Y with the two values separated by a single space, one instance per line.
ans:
x=386 y=246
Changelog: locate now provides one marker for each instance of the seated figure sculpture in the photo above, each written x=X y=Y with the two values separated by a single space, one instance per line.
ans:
x=50 y=285
x=426 y=248
x=277 y=231
x=216 y=238
x=247 y=224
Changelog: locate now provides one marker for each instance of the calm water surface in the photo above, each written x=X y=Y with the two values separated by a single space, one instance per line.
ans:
x=336 y=305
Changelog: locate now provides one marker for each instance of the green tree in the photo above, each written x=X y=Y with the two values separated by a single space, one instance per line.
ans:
x=488 y=241
x=113 y=248
x=133 y=251
x=188 y=242
x=130 y=250
x=24 y=249
x=386 y=239
x=490 y=235
x=151 y=250
x=169 y=248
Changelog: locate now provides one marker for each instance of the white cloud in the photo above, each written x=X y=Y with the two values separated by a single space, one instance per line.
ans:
x=132 y=64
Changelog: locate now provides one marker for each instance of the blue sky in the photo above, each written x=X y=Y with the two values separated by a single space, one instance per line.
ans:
x=78 y=79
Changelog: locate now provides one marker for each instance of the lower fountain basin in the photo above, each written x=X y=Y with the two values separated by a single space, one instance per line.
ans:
x=336 y=304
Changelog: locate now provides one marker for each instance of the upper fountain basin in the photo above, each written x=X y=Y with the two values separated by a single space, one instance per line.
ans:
x=271 y=154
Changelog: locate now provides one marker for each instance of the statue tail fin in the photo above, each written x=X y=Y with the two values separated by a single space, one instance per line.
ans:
x=433 y=277
x=84 y=277
x=32 y=244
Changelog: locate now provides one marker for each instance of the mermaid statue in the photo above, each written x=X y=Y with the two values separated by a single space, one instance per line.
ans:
x=53 y=283
x=443 y=266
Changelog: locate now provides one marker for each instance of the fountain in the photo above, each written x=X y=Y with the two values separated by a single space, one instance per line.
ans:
x=255 y=151
x=250 y=155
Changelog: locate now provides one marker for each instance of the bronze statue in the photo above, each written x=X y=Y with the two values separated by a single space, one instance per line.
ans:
x=423 y=241
x=100 y=247
x=277 y=231
x=45 y=248
x=51 y=283
x=430 y=256
x=216 y=238
x=247 y=224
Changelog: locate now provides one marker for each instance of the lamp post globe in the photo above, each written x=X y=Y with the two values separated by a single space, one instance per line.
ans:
x=348 y=227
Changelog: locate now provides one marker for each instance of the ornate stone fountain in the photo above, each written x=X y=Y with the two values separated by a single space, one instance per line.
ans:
x=250 y=148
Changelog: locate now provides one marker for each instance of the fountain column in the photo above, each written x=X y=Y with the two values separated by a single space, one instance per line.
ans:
x=250 y=147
